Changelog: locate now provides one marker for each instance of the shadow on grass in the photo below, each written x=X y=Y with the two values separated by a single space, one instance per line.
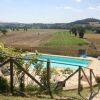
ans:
x=92 y=94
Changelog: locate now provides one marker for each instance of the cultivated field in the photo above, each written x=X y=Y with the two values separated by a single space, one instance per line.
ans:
x=31 y=38
x=95 y=39
x=53 y=41
x=65 y=39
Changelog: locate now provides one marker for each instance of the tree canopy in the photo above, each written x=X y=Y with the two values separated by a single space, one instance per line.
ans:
x=78 y=30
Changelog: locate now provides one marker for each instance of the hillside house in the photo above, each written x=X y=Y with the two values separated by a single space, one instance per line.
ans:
x=94 y=24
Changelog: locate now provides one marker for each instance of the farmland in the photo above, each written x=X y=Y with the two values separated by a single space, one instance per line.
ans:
x=41 y=37
x=30 y=38
x=49 y=41
x=63 y=39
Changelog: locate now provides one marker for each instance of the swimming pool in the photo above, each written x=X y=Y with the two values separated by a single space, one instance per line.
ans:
x=64 y=62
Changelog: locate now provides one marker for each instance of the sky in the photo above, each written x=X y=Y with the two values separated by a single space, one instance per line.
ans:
x=48 y=11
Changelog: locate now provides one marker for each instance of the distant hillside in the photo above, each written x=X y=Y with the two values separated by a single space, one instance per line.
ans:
x=85 y=21
x=49 y=26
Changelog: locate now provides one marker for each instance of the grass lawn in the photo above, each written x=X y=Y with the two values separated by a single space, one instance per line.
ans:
x=22 y=98
x=64 y=39
x=64 y=95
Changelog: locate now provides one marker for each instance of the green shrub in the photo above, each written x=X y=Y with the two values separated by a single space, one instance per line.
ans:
x=30 y=88
x=67 y=71
x=98 y=79
x=3 y=84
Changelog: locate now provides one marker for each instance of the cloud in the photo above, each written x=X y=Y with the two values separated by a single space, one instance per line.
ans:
x=91 y=8
x=65 y=7
x=59 y=7
x=78 y=0
x=69 y=8
x=97 y=8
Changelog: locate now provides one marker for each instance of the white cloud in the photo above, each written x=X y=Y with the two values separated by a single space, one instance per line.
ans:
x=97 y=8
x=69 y=8
x=78 y=0
x=91 y=8
x=65 y=7
x=59 y=7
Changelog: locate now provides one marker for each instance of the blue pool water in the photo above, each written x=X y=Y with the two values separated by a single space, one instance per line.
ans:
x=65 y=62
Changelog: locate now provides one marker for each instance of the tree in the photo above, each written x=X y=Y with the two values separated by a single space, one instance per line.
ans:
x=4 y=31
x=74 y=31
x=25 y=28
x=7 y=51
x=81 y=32
x=97 y=30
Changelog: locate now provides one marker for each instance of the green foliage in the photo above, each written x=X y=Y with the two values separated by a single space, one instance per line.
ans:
x=81 y=32
x=43 y=77
x=98 y=79
x=3 y=84
x=97 y=30
x=73 y=30
x=4 y=31
x=38 y=68
x=2 y=57
x=54 y=71
x=8 y=51
x=67 y=71
x=78 y=30
x=30 y=88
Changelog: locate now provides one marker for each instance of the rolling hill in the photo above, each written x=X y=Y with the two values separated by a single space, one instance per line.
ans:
x=49 y=26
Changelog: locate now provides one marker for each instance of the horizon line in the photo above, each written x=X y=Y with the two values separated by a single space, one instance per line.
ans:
x=45 y=22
